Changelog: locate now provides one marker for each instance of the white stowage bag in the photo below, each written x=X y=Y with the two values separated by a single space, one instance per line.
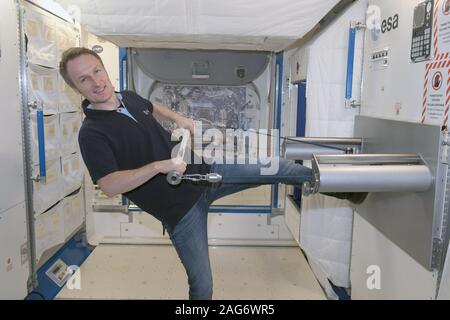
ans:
x=326 y=222
x=73 y=213
x=47 y=194
x=70 y=124
x=66 y=37
x=43 y=87
x=72 y=173
x=51 y=135
x=69 y=100
x=41 y=34
x=49 y=230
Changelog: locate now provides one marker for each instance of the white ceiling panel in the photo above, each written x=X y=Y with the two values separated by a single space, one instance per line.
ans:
x=201 y=24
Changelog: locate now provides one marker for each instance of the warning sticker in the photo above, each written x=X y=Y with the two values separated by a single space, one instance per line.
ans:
x=436 y=81
x=441 y=29
x=436 y=96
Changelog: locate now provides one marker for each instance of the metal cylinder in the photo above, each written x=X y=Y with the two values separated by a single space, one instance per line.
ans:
x=213 y=177
x=174 y=178
x=297 y=148
x=370 y=159
x=375 y=178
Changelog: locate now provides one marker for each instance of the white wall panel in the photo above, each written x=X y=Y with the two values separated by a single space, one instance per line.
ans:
x=400 y=277
x=12 y=189
x=394 y=92
x=14 y=264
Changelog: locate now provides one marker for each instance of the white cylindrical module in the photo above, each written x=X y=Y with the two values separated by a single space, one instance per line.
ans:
x=375 y=178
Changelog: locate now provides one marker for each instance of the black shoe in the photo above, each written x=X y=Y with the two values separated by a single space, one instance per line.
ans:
x=353 y=197
x=357 y=197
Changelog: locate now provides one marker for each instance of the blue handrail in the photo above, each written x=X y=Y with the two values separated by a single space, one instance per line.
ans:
x=123 y=71
x=123 y=67
x=41 y=144
x=350 y=62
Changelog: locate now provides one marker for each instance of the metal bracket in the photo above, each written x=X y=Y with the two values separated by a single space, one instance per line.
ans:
x=352 y=104
x=38 y=178
x=437 y=253
x=360 y=25
x=312 y=187
x=33 y=105
x=445 y=148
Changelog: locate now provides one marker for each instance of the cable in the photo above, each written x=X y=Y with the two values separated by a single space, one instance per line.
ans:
x=284 y=138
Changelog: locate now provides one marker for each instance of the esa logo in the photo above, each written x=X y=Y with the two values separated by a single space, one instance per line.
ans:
x=389 y=24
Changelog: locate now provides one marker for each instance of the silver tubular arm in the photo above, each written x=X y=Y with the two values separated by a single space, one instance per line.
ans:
x=369 y=173
x=299 y=148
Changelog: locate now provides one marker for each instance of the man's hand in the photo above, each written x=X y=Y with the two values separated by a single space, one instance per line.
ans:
x=127 y=180
x=162 y=112
x=185 y=123
x=165 y=166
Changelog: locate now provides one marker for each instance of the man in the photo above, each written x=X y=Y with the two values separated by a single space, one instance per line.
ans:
x=128 y=152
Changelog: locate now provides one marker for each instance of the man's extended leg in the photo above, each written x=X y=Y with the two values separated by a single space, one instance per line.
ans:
x=238 y=177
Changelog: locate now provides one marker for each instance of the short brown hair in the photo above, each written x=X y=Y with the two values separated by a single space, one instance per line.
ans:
x=71 y=54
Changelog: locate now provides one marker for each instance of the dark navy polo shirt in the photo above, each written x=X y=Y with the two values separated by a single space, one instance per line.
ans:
x=111 y=141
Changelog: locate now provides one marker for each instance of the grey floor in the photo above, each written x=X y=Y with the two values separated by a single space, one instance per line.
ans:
x=155 y=272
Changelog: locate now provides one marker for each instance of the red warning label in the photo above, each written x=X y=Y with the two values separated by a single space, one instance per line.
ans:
x=436 y=96
x=441 y=30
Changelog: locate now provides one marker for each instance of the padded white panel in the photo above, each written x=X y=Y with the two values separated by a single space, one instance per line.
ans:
x=213 y=24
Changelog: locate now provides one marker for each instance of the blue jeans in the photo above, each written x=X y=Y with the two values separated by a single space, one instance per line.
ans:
x=190 y=235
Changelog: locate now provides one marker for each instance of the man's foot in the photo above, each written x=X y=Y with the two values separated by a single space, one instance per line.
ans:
x=357 y=197
x=353 y=197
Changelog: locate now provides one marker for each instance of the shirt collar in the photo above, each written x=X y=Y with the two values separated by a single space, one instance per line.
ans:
x=88 y=105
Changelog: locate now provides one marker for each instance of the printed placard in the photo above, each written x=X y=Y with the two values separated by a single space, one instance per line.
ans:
x=436 y=96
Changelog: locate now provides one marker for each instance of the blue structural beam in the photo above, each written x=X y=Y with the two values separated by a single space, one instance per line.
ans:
x=123 y=68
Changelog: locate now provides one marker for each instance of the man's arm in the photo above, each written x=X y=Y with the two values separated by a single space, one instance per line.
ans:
x=162 y=112
x=126 y=180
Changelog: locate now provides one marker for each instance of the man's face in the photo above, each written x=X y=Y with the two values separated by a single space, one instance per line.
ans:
x=90 y=78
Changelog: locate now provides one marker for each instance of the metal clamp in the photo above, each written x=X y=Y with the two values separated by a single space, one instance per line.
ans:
x=37 y=178
x=33 y=105
x=174 y=178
